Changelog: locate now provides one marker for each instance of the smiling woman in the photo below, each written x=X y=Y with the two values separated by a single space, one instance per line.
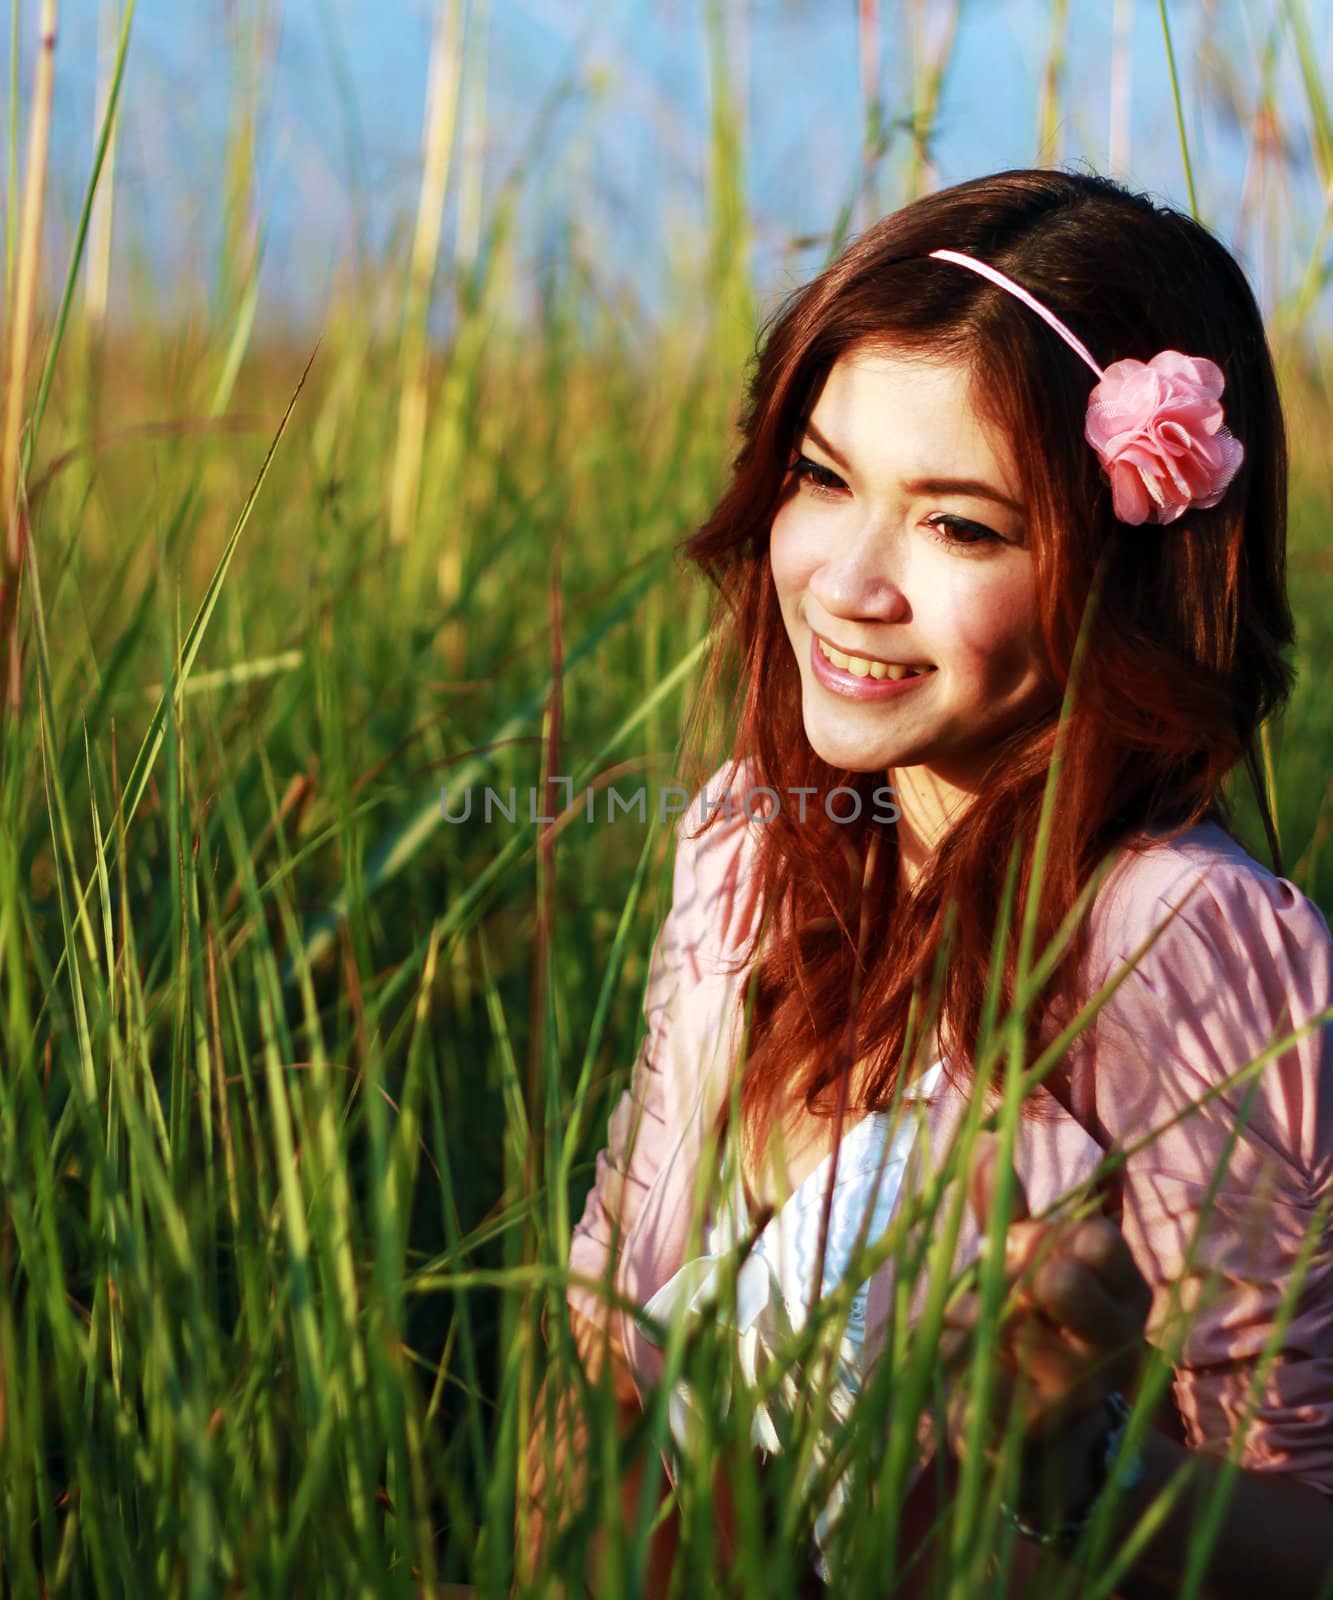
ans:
x=877 y=557
x=932 y=519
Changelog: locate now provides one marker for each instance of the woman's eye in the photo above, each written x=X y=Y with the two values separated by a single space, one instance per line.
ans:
x=948 y=530
x=959 y=531
x=819 y=479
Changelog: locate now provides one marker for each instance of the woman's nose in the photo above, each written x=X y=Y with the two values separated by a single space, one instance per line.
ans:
x=862 y=580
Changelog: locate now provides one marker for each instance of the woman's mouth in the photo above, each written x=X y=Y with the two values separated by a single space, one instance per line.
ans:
x=863 y=677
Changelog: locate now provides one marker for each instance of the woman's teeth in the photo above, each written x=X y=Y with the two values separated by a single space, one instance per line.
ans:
x=863 y=668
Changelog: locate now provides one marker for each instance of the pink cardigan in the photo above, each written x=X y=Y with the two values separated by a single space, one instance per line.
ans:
x=1247 y=960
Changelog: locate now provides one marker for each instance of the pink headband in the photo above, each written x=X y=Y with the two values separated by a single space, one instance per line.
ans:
x=1156 y=426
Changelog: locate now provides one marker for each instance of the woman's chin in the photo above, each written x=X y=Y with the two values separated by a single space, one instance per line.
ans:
x=845 y=755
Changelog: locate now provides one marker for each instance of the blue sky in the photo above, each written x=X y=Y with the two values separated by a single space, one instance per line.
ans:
x=623 y=158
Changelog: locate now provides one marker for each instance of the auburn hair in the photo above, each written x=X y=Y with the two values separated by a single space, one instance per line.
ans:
x=1183 y=655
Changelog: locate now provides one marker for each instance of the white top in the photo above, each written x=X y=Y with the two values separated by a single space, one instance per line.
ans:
x=773 y=1284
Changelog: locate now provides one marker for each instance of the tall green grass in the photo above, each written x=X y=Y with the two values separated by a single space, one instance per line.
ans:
x=302 y=1084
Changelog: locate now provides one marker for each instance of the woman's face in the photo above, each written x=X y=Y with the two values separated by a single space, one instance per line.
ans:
x=904 y=543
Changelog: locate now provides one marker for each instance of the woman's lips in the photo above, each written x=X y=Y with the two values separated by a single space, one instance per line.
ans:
x=847 y=683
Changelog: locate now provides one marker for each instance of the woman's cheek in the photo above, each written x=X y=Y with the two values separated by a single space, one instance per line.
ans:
x=992 y=613
x=782 y=551
x=1001 y=631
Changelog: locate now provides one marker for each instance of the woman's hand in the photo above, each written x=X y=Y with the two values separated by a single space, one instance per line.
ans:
x=1072 y=1329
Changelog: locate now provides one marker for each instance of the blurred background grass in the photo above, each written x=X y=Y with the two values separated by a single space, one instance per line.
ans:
x=300 y=1080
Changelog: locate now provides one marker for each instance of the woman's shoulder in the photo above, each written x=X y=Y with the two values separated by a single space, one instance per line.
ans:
x=1192 y=901
x=716 y=888
x=1199 y=885
x=1237 y=970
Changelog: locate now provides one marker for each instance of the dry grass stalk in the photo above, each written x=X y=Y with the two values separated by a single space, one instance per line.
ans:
x=97 y=284
x=440 y=127
x=25 y=295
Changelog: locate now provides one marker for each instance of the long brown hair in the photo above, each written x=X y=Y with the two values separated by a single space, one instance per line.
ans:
x=1183 y=656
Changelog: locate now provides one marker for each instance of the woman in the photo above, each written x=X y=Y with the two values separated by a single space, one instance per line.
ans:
x=1019 y=407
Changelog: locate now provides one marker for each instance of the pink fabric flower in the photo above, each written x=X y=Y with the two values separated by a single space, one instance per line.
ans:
x=1157 y=428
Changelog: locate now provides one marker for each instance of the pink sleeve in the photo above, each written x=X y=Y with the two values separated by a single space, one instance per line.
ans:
x=637 y=1130
x=1246 y=961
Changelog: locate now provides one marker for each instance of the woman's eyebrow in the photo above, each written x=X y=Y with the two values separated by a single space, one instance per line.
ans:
x=968 y=486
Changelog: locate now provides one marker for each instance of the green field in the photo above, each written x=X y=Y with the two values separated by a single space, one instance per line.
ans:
x=301 y=1084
